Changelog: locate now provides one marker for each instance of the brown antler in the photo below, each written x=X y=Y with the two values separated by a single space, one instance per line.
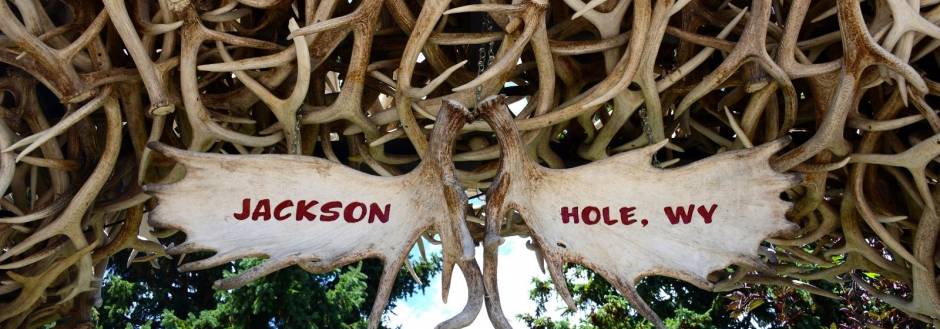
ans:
x=85 y=86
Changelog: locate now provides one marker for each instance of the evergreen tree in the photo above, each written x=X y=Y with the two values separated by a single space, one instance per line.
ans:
x=141 y=296
x=684 y=306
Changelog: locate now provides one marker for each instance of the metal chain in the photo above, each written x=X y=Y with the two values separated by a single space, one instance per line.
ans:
x=648 y=131
x=485 y=56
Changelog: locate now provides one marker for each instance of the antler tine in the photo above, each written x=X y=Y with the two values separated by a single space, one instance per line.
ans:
x=34 y=287
x=532 y=16
x=511 y=169
x=35 y=141
x=7 y=159
x=44 y=61
x=786 y=54
x=751 y=46
x=650 y=98
x=457 y=241
x=431 y=12
x=861 y=51
x=475 y=289
x=284 y=109
x=69 y=221
x=627 y=290
x=630 y=88
x=205 y=130
x=159 y=98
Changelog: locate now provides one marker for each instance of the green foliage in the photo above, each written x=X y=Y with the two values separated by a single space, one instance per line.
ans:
x=688 y=319
x=144 y=297
x=137 y=297
x=121 y=293
x=683 y=306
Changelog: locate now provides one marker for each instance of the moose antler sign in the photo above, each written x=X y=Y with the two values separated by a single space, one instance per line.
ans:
x=319 y=214
x=625 y=219
x=620 y=216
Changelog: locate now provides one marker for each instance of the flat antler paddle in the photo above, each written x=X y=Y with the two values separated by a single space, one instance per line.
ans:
x=319 y=214
x=625 y=219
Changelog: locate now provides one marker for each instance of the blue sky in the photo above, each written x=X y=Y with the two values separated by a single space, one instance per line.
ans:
x=517 y=268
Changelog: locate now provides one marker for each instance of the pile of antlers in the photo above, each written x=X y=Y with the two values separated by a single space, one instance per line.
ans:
x=849 y=80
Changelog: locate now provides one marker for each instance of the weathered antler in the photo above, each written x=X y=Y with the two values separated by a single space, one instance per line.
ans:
x=364 y=84
x=335 y=215
x=644 y=212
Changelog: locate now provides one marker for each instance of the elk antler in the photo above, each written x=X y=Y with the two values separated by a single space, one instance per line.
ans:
x=363 y=84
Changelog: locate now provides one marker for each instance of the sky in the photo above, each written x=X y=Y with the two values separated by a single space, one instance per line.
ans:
x=517 y=268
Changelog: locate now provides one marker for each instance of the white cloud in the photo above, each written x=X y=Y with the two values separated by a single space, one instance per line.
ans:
x=517 y=268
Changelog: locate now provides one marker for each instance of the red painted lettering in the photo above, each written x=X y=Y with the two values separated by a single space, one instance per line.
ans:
x=626 y=215
x=246 y=207
x=349 y=214
x=377 y=213
x=262 y=210
x=707 y=214
x=607 y=219
x=303 y=210
x=279 y=209
x=568 y=215
x=681 y=213
x=328 y=213
x=586 y=215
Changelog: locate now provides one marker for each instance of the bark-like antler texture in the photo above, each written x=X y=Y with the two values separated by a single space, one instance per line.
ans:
x=378 y=86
